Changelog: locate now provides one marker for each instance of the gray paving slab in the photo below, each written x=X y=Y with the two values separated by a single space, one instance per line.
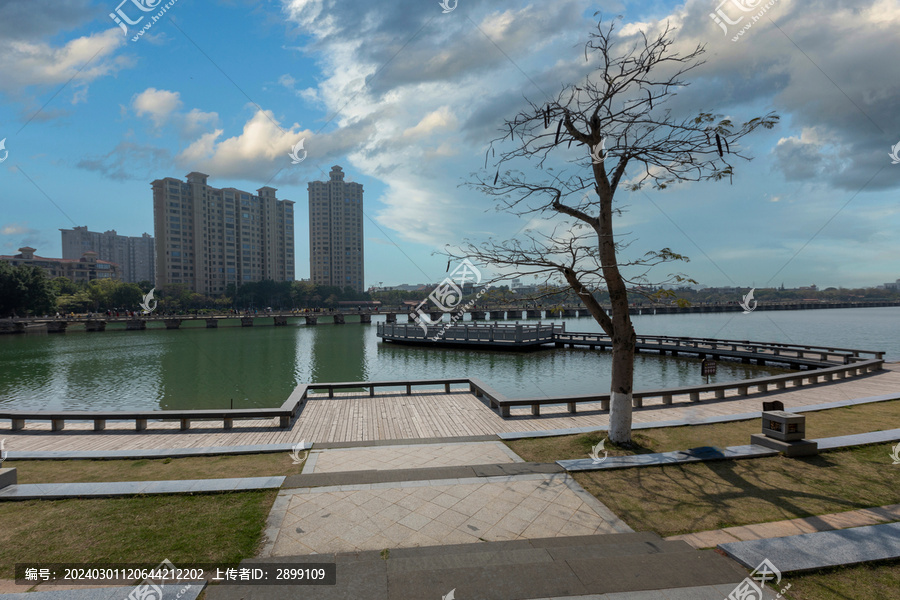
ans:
x=706 y=592
x=820 y=549
x=615 y=566
x=107 y=489
x=151 y=453
x=859 y=439
x=338 y=478
x=184 y=591
x=667 y=458
x=731 y=452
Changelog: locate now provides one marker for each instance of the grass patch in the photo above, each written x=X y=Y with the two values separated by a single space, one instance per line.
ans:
x=686 y=498
x=209 y=528
x=819 y=424
x=205 y=467
x=876 y=581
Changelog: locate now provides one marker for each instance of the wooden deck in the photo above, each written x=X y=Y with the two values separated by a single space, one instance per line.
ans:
x=391 y=415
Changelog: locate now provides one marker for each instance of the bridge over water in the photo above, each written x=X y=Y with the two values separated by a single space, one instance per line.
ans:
x=99 y=321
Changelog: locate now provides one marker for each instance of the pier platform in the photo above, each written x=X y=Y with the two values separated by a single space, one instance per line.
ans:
x=496 y=336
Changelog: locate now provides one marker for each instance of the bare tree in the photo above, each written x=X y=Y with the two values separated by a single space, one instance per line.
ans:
x=615 y=117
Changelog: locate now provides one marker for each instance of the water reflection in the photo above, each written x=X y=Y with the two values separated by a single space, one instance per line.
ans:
x=196 y=367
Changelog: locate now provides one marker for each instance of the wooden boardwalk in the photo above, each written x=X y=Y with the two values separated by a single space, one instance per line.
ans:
x=395 y=416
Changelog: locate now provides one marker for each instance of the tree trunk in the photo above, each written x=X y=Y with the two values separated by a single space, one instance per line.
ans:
x=620 y=387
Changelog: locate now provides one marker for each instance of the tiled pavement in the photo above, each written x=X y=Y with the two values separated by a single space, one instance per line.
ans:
x=426 y=513
x=411 y=456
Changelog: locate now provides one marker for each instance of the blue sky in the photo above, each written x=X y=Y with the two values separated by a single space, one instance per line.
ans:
x=406 y=98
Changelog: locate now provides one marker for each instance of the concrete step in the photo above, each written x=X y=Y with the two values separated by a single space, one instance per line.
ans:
x=518 y=569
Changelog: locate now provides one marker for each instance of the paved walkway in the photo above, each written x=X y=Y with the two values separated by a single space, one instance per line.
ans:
x=775 y=529
x=429 y=513
x=409 y=456
x=537 y=535
x=416 y=511
x=395 y=416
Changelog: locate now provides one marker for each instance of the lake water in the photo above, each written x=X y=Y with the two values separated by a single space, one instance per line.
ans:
x=195 y=367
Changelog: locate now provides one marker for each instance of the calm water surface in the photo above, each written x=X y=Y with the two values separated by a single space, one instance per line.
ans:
x=195 y=367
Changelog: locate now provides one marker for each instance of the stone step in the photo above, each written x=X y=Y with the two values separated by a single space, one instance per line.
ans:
x=518 y=569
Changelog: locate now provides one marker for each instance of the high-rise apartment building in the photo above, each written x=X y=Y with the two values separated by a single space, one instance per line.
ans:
x=336 y=232
x=208 y=238
x=134 y=255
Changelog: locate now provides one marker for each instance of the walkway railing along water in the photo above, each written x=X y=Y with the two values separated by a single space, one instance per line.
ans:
x=822 y=364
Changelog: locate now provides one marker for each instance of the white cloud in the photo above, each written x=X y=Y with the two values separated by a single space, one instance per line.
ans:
x=196 y=120
x=261 y=143
x=16 y=229
x=81 y=60
x=159 y=104
x=439 y=120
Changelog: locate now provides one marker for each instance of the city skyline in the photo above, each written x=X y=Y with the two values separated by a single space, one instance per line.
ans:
x=406 y=98
x=210 y=238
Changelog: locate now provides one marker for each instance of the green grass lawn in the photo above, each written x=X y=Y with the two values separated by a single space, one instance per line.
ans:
x=207 y=528
x=819 y=424
x=686 y=498
x=877 y=581
x=206 y=467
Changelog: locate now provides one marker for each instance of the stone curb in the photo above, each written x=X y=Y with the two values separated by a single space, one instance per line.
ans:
x=729 y=453
x=112 y=489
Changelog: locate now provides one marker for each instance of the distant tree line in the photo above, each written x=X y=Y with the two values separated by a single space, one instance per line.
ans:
x=27 y=290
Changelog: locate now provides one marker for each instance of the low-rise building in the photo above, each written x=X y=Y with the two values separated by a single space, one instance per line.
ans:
x=134 y=255
x=86 y=268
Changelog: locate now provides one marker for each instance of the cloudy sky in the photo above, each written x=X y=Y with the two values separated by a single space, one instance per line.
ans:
x=406 y=97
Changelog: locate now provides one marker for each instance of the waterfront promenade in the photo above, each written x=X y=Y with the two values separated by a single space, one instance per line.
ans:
x=359 y=417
